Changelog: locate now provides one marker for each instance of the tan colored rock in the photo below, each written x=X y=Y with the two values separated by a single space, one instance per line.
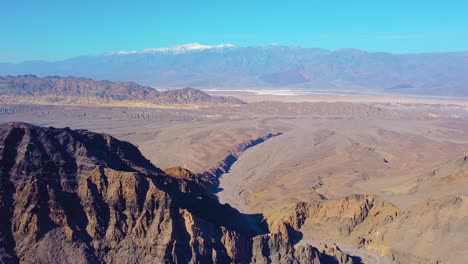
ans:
x=78 y=197
x=181 y=173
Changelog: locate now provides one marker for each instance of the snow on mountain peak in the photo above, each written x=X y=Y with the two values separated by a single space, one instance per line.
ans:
x=176 y=49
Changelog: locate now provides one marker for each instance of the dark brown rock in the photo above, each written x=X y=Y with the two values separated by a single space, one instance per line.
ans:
x=73 y=196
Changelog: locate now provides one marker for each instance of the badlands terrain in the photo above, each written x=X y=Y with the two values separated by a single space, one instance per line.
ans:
x=361 y=178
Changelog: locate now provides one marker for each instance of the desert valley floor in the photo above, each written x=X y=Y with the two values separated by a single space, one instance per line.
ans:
x=384 y=178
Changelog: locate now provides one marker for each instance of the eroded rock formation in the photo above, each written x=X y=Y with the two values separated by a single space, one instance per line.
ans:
x=73 y=196
x=53 y=89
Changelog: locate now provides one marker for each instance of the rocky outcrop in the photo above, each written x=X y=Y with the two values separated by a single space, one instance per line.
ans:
x=73 y=196
x=449 y=175
x=181 y=173
x=365 y=221
x=334 y=217
x=273 y=249
x=54 y=89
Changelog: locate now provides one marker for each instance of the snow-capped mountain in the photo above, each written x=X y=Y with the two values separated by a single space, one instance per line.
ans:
x=175 y=49
x=265 y=67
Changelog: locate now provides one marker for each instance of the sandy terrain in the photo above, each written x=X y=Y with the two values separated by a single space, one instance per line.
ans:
x=341 y=157
x=435 y=105
x=384 y=148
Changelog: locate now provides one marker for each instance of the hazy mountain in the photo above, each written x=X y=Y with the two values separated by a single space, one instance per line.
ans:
x=78 y=88
x=228 y=66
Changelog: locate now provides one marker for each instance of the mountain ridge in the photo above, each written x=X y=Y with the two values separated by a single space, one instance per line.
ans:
x=56 y=86
x=272 y=66
x=177 y=49
x=74 y=196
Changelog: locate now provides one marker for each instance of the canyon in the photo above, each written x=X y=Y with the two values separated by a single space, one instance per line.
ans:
x=325 y=178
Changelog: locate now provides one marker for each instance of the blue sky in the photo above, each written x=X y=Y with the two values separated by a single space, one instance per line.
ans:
x=53 y=30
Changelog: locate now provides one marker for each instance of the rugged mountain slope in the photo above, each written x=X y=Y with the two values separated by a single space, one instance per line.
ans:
x=181 y=173
x=424 y=233
x=269 y=66
x=73 y=196
x=453 y=175
x=56 y=87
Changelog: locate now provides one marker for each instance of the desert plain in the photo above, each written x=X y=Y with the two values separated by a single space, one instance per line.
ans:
x=385 y=177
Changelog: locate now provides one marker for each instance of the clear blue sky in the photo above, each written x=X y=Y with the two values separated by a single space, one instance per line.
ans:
x=53 y=30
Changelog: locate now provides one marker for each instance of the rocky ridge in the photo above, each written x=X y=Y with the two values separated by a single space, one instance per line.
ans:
x=73 y=196
x=56 y=89
x=365 y=221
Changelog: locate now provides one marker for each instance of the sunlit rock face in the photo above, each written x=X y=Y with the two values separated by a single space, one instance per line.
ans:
x=73 y=196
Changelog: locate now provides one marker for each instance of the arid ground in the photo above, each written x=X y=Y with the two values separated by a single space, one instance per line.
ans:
x=385 y=178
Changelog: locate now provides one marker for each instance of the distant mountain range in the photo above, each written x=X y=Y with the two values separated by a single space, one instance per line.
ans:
x=273 y=66
x=55 y=89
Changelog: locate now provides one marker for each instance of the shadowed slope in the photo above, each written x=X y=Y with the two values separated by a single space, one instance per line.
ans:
x=82 y=197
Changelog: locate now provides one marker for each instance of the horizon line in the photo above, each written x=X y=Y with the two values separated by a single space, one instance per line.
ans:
x=203 y=47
